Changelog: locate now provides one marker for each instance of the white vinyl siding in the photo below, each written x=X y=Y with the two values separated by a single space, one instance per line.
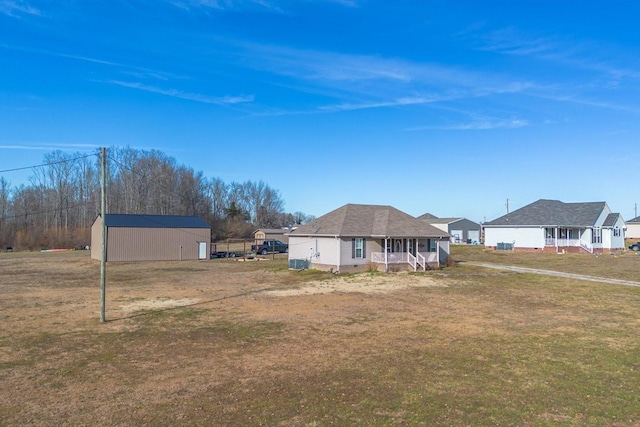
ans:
x=521 y=237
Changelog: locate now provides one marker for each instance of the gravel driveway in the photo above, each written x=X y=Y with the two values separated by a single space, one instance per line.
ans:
x=554 y=273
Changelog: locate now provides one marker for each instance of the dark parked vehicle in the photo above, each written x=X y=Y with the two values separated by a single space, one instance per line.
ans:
x=635 y=246
x=269 y=246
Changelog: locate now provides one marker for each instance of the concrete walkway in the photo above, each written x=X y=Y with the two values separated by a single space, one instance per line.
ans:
x=554 y=273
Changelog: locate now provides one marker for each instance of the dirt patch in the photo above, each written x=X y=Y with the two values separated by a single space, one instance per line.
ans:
x=375 y=284
x=157 y=304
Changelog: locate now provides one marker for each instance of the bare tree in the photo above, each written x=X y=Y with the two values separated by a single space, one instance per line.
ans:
x=63 y=200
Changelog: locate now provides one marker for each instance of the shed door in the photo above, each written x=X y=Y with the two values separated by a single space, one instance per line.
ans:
x=202 y=250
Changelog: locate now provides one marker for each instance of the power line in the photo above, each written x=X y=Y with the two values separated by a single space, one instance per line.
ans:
x=53 y=210
x=47 y=164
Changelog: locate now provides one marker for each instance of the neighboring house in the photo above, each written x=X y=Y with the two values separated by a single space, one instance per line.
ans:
x=151 y=238
x=551 y=225
x=356 y=237
x=462 y=230
x=633 y=228
x=271 y=234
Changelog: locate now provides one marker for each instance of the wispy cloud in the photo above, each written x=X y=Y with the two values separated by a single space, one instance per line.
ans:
x=276 y=6
x=394 y=103
x=126 y=68
x=482 y=124
x=228 y=5
x=370 y=81
x=224 y=100
x=511 y=41
x=574 y=53
x=17 y=8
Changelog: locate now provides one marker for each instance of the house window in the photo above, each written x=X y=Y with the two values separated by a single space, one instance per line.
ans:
x=597 y=235
x=616 y=232
x=358 y=248
x=433 y=245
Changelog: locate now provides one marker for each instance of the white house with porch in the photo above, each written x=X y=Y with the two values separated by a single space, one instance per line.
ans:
x=633 y=228
x=551 y=225
x=357 y=237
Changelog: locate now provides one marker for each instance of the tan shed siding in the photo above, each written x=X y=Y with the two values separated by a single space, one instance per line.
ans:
x=260 y=235
x=96 y=239
x=155 y=244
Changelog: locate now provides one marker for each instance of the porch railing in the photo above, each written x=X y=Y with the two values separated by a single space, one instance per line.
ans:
x=421 y=258
x=564 y=243
x=412 y=261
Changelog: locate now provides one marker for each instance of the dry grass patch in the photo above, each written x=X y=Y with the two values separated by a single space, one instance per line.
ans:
x=458 y=346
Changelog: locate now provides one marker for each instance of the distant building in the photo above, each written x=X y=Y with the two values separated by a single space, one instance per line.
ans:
x=462 y=230
x=633 y=228
x=151 y=238
x=272 y=234
x=359 y=237
x=555 y=226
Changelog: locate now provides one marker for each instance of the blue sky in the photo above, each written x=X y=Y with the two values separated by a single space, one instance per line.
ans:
x=429 y=106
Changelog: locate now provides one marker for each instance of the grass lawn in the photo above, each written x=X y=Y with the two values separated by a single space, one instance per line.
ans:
x=233 y=343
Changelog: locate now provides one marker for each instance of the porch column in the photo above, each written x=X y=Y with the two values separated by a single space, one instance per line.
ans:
x=438 y=252
x=339 y=255
x=557 y=237
x=386 y=254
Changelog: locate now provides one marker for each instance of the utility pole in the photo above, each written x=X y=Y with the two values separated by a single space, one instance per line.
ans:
x=507 y=206
x=103 y=215
x=635 y=210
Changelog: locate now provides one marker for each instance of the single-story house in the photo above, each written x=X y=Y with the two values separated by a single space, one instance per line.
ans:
x=462 y=230
x=552 y=225
x=151 y=238
x=633 y=228
x=357 y=237
x=272 y=234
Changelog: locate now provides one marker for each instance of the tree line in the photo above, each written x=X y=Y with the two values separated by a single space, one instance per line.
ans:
x=60 y=203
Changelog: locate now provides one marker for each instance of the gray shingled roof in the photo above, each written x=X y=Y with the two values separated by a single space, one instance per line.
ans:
x=155 y=221
x=368 y=220
x=552 y=213
x=636 y=219
x=611 y=220
x=427 y=216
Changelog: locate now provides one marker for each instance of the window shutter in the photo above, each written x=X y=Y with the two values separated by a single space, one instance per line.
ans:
x=364 y=247
x=353 y=248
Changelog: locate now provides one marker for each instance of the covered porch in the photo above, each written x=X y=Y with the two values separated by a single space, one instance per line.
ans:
x=579 y=238
x=417 y=253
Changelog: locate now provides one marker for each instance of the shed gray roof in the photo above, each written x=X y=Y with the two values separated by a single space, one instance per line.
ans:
x=552 y=213
x=439 y=220
x=155 y=221
x=427 y=216
x=368 y=220
x=636 y=219
x=272 y=230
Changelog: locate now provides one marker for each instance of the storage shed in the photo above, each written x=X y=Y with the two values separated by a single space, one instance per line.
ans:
x=152 y=238
x=272 y=233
